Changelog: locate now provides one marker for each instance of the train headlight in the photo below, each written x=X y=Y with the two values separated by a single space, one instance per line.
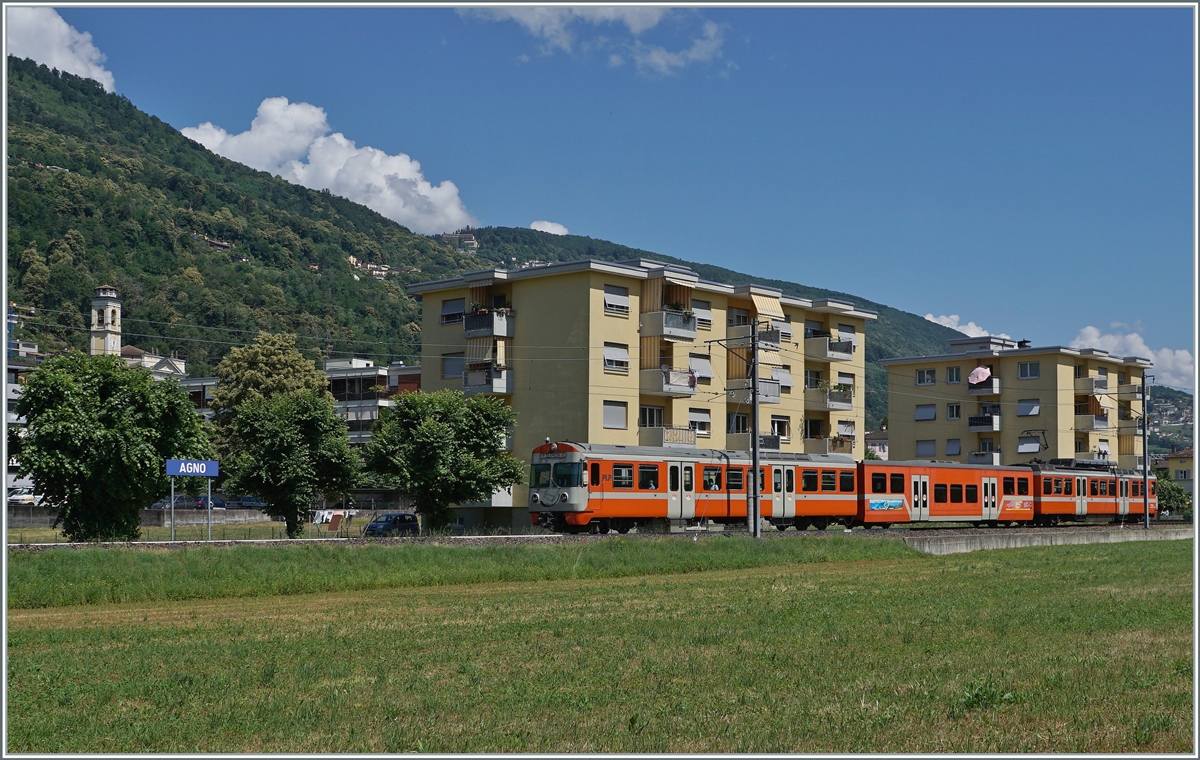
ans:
x=533 y=497
x=563 y=497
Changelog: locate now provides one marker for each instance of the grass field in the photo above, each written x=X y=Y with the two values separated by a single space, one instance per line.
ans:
x=233 y=531
x=852 y=649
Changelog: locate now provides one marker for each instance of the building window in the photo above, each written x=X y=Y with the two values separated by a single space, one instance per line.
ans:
x=650 y=416
x=615 y=415
x=813 y=428
x=954 y=374
x=616 y=357
x=453 y=365
x=926 y=376
x=1101 y=371
x=1029 y=407
x=953 y=447
x=954 y=411
x=1029 y=444
x=926 y=412
x=738 y=422
x=846 y=379
x=703 y=312
x=812 y=378
x=452 y=311
x=616 y=300
x=781 y=426
x=1121 y=377
x=926 y=449
x=700 y=420
x=1080 y=445
x=784 y=376
x=1078 y=370
x=846 y=334
x=701 y=364
x=987 y=445
x=1028 y=370
x=737 y=317
x=1183 y=475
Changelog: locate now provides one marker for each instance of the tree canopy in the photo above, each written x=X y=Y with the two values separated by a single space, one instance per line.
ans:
x=443 y=448
x=269 y=366
x=97 y=438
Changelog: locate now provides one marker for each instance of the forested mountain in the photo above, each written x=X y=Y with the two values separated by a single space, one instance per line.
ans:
x=206 y=251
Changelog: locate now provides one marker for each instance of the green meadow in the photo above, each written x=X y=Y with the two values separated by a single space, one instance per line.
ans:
x=827 y=644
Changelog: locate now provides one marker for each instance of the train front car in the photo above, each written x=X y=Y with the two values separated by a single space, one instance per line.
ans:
x=1083 y=490
x=558 y=486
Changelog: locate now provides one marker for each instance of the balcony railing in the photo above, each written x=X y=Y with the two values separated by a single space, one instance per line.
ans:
x=989 y=387
x=824 y=348
x=1085 y=422
x=672 y=382
x=498 y=324
x=376 y=393
x=489 y=380
x=832 y=445
x=1091 y=385
x=666 y=436
x=983 y=423
x=1129 y=392
x=1130 y=427
x=836 y=399
x=768 y=391
x=741 y=442
x=669 y=325
x=984 y=457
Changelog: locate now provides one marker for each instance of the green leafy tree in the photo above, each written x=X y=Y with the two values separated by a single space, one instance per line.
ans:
x=443 y=448
x=1172 y=497
x=288 y=449
x=97 y=438
x=869 y=455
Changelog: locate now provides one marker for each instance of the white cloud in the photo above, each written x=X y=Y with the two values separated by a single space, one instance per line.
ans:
x=1171 y=366
x=284 y=134
x=41 y=34
x=554 y=228
x=554 y=24
x=954 y=323
x=659 y=60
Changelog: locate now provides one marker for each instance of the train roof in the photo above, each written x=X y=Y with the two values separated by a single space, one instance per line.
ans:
x=947 y=463
x=682 y=452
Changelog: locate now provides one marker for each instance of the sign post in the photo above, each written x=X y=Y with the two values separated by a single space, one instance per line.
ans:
x=192 y=468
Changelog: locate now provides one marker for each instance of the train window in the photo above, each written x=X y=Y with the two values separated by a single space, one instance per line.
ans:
x=879 y=482
x=712 y=478
x=1067 y=485
x=1010 y=486
x=846 y=481
x=1046 y=485
x=687 y=478
x=622 y=476
x=1022 y=486
x=539 y=476
x=1058 y=486
x=791 y=480
x=828 y=480
x=1104 y=488
x=972 y=494
x=1137 y=488
x=762 y=479
x=596 y=474
x=955 y=494
x=777 y=480
x=648 y=477
x=735 y=478
x=1152 y=488
x=1112 y=487
x=808 y=480
x=897 y=482
x=568 y=475
x=939 y=493
x=1095 y=488
x=673 y=477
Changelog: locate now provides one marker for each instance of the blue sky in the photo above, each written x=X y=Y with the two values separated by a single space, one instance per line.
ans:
x=1024 y=171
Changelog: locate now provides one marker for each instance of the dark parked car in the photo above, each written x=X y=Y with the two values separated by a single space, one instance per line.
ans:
x=245 y=502
x=393 y=524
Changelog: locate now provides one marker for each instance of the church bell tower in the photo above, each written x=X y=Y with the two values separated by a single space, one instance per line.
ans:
x=106 y=322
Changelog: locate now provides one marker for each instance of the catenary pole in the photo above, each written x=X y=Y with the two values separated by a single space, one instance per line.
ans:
x=209 y=508
x=754 y=514
x=1146 y=448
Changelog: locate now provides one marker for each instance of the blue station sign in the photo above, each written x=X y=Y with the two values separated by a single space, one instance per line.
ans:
x=195 y=468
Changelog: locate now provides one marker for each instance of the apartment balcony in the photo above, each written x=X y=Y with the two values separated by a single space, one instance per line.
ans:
x=1089 y=422
x=834 y=445
x=818 y=400
x=739 y=337
x=741 y=442
x=1130 y=427
x=666 y=436
x=989 y=387
x=1090 y=386
x=1129 y=392
x=671 y=382
x=672 y=326
x=985 y=423
x=984 y=457
x=824 y=348
x=488 y=324
x=768 y=391
x=490 y=380
x=376 y=393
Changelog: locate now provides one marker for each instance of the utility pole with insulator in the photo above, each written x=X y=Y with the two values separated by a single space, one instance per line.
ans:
x=753 y=515
x=1146 y=448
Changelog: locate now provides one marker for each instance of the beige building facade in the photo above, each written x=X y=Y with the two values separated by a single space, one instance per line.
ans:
x=1034 y=403
x=628 y=354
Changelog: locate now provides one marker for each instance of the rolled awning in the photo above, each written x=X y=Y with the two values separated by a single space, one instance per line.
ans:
x=702 y=309
x=616 y=354
x=699 y=415
x=453 y=306
x=701 y=366
x=766 y=306
x=784 y=376
x=770 y=357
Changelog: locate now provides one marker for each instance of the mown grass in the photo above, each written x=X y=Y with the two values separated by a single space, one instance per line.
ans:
x=56 y=578
x=1056 y=649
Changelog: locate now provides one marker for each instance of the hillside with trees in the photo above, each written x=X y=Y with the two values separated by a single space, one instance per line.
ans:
x=206 y=252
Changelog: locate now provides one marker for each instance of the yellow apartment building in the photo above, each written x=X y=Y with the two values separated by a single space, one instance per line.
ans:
x=1034 y=403
x=1179 y=468
x=627 y=353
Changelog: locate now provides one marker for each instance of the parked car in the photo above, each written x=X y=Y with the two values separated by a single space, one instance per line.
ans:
x=245 y=502
x=24 y=497
x=187 y=501
x=393 y=524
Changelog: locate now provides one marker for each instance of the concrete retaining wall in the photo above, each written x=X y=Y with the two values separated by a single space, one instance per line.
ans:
x=31 y=517
x=161 y=518
x=1002 y=539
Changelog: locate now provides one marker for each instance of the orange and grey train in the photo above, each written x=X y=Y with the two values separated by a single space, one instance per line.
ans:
x=580 y=487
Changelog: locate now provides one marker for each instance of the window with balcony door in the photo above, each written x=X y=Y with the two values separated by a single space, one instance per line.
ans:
x=650 y=417
x=812 y=378
x=781 y=426
x=737 y=422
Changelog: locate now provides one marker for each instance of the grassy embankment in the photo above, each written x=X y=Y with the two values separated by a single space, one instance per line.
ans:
x=834 y=644
x=230 y=532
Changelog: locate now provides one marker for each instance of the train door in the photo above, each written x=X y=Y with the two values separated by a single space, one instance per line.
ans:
x=674 y=490
x=688 y=493
x=920 y=497
x=1123 y=499
x=1081 y=496
x=789 y=492
x=991 y=505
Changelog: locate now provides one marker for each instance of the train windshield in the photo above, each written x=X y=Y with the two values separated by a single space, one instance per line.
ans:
x=568 y=475
x=539 y=476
